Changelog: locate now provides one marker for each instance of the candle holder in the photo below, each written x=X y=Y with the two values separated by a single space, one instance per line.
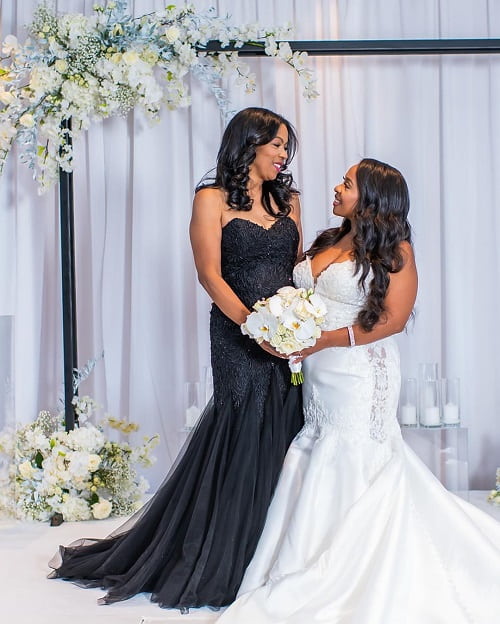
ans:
x=192 y=403
x=427 y=371
x=207 y=389
x=430 y=412
x=408 y=403
x=450 y=402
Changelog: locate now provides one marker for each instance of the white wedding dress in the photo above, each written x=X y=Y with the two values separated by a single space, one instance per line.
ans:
x=359 y=530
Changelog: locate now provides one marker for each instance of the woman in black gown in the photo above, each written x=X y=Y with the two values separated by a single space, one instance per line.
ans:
x=190 y=544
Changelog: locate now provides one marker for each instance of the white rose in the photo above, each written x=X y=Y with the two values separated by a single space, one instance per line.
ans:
x=26 y=470
x=130 y=57
x=172 y=34
x=6 y=97
x=27 y=120
x=94 y=461
x=61 y=65
x=102 y=509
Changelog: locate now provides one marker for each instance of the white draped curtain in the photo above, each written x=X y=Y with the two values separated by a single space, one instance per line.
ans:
x=436 y=118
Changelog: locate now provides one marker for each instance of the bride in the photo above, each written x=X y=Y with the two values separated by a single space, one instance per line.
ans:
x=359 y=531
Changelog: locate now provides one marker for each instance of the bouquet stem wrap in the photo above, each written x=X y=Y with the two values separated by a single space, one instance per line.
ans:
x=297 y=374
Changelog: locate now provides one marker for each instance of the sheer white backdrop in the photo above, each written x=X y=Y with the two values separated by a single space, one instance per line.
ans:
x=434 y=117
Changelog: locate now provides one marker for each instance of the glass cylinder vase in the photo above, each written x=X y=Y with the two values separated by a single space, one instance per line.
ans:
x=408 y=403
x=430 y=404
x=450 y=401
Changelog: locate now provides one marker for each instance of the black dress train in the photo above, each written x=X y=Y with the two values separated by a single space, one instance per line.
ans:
x=191 y=543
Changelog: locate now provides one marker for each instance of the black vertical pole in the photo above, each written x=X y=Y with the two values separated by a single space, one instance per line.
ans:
x=70 y=357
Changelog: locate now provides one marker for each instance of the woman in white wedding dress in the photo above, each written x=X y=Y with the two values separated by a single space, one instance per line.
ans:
x=359 y=531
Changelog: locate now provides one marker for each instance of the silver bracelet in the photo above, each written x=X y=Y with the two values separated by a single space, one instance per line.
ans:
x=350 y=331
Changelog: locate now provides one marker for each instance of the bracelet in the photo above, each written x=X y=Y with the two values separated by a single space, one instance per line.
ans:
x=352 y=342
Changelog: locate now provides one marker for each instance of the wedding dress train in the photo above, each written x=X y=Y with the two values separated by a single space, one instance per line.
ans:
x=359 y=530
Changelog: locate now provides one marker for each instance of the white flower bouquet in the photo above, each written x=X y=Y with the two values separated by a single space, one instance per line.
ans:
x=494 y=495
x=78 y=474
x=290 y=320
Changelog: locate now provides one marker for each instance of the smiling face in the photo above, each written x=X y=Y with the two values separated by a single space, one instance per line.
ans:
x=346 y=195
x=270 y=157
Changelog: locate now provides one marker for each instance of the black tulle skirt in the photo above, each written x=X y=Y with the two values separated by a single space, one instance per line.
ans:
x=190 y=544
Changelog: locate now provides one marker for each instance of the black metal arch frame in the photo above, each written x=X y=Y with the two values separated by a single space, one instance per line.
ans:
x=370 y=47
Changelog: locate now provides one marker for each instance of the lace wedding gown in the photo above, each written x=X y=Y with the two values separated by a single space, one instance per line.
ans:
x=190 y=545
x=359 y=531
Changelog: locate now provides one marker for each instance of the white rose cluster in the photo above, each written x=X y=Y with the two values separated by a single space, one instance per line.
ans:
x=80 y=473
x=87 y=68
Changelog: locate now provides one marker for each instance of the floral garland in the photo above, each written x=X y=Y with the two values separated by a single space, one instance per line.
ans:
x=78 y=474
x=87 y=68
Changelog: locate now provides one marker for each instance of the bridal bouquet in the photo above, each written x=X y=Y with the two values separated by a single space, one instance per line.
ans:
x=290 y=320
x=81 y=474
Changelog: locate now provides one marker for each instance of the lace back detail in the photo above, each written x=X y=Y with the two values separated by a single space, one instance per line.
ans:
x=377 y=358
x=315 y=412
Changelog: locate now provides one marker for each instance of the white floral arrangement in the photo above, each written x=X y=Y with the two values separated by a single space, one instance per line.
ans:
x=77 y=474
x=494 y=495
x=87 y=68
x=289 y=321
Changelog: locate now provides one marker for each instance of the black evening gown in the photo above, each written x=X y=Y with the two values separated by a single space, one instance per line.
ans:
x=191 y=543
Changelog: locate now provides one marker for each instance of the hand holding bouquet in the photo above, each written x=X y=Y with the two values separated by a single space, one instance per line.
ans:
x=290 y=320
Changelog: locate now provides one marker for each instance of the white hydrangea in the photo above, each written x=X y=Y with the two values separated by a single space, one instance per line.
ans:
x=74 y=508
x=44 y=80
x=35 y=438
x=26 y=470
x=87 y=438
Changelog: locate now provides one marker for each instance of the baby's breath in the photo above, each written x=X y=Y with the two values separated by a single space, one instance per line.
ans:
x=89 y=68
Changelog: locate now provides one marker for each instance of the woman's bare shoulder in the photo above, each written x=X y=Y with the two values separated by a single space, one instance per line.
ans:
x=209 y=199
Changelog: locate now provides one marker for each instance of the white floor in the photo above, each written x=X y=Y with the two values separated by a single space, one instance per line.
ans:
x=28 y=597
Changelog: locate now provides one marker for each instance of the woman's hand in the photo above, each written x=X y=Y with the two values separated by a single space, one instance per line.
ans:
x=267 y=347
x=321 y=343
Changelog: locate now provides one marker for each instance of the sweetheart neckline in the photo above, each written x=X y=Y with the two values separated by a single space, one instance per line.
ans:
x=315 y=279
x=258 y=224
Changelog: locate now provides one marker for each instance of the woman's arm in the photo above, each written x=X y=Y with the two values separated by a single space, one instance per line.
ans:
x=295 y=215
x=398 y=303
x=205 y=231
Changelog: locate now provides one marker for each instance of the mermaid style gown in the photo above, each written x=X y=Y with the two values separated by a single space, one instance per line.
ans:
x=359 y=531
x=191 y=543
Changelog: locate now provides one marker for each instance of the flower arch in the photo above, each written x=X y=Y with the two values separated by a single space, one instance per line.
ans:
x=88 y=68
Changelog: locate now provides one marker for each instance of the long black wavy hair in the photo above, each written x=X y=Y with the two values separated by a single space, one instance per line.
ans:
x=381 y=225
x=247 y=130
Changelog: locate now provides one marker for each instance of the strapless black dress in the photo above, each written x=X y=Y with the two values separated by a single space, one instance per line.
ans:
x=190 y=544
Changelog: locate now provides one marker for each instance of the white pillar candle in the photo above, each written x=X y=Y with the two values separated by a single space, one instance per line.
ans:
x=192 y=415
x=431 y=417
x=409 y=414
x=450 y=414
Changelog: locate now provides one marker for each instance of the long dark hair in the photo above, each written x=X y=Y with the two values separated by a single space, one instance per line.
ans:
x=247 y=130
x=381 y=225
